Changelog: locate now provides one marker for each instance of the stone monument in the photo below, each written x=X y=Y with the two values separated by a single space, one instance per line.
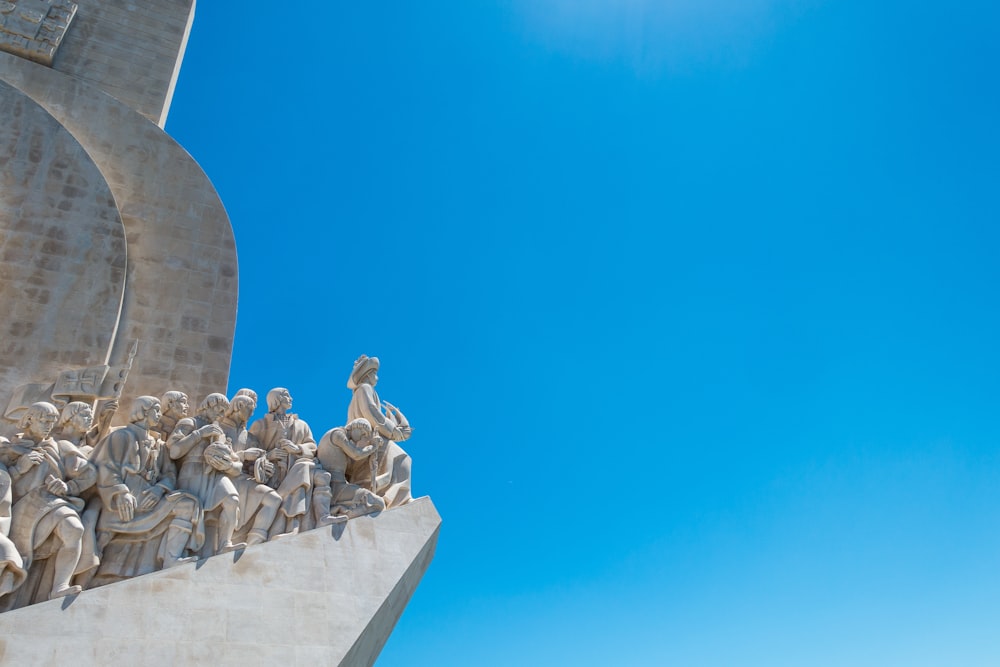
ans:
x=118 y=284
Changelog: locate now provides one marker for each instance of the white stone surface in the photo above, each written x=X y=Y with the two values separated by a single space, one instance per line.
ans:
x=329 y=596
x=180 y=282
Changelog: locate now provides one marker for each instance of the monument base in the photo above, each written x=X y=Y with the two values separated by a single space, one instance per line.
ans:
x=329 y=596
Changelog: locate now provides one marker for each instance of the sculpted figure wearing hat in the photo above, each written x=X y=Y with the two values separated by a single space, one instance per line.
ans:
x=392 y=481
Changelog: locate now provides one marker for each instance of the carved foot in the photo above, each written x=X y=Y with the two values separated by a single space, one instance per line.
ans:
x=63 y=592
x=256 y=538
x=332 y=520
x=229 y=546
x=179 y=561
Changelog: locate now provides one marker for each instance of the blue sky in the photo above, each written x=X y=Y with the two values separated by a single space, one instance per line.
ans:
x=692 y=306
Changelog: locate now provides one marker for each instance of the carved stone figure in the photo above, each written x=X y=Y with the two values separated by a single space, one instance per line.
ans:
x=205 y=471
x=251 y=394
x=146 y=524
x=337 y=449
x=289 y=444
x=175 y=408
x=76 y=425
x=392 y=481
x=47 y=479
x=259 y=503
x=12 y=572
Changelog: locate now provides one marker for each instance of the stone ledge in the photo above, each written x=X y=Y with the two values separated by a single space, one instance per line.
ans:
x=330 y=595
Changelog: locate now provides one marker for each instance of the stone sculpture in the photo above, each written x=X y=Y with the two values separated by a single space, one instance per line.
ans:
x=259 y=503
x=12 y=572
x=392 y=481
x=251 y=394
x=175 y=408
x=199 y=446
x=170 y=487
x=289 y=444
x=76 y=424
x=47 y=478
x=337 y=449
x=146 y=523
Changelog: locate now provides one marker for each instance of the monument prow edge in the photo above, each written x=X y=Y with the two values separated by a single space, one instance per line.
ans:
x=328 y=596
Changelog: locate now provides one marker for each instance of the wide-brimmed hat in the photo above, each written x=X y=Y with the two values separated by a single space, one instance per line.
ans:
x=362 y=366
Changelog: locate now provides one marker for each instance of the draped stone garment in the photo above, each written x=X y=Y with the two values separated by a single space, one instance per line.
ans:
x=336 y=452
x=252 y=493
x=293 y=472
x=12 y=572
x=33 y=503
x=196 y=476
x=129 y=460
x=393 y=481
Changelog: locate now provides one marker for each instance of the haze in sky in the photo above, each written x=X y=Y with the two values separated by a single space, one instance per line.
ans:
x=692 y=307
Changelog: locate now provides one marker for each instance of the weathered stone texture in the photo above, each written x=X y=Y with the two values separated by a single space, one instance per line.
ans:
x=181 y=286
x=34 y=29
x=131 y=49
x=330 y=596
x=62 y=249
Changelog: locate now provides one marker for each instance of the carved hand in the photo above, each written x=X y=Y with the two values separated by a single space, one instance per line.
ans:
x=56 y=486
x=210 y=431
x=109 y=408
x=290 y=447
x=28 y=461
x=252 y=453
x=150 y=497
x=267 y=468
x=126 y=506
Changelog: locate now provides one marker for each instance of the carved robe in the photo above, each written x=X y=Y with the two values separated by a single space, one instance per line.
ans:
x=209 y=485
x=130 y=460
x=292 y=476
x=253 y=493
x=336 y=453
x=392 y=483
x=12 y=572
x=33 y=502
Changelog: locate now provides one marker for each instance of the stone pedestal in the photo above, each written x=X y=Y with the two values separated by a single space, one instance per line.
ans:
x=329 y=596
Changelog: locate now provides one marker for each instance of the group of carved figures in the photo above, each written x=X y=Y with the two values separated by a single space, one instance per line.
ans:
x=82 y=504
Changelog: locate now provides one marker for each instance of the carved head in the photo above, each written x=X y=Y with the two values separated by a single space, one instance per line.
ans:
x=359 y=429
x=76 y=416
x=365 y=372
x=241 y=408
x=279 y=399
x=39 y=420
x=145 y=411
x=251 y=394
x=213 y=407
x=175 y=404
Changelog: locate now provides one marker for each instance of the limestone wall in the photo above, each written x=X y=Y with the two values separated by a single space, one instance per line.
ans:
x=62 y=249
x=130 y=49
x=181 y=285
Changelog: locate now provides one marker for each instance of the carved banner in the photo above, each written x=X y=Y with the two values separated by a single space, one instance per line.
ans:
x=34 y=29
